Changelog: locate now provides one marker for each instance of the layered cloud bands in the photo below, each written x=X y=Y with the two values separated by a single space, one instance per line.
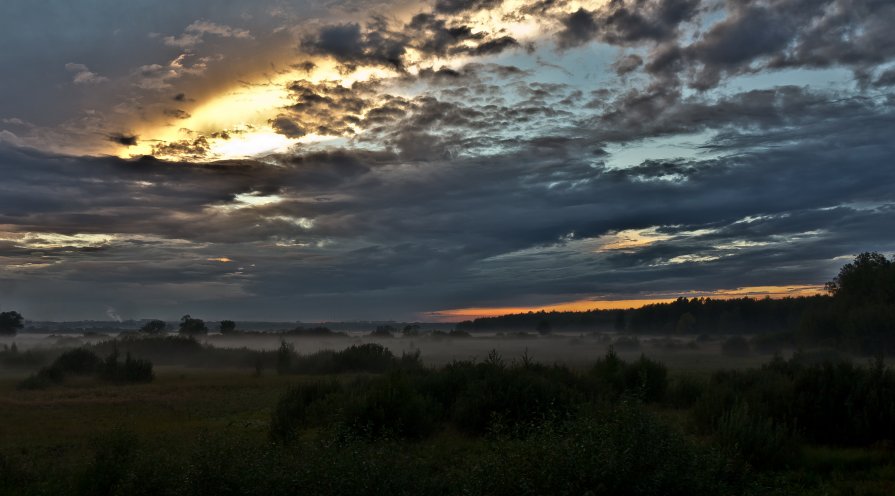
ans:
x=438 y=160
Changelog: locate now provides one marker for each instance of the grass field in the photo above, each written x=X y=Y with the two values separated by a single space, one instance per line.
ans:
x=196 y=430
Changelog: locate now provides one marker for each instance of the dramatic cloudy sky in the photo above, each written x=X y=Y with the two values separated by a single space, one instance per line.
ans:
x=366 y=159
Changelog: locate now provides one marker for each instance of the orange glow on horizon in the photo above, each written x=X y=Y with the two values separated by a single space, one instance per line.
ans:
x=757 y=292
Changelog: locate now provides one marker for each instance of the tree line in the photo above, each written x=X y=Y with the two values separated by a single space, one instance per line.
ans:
x=857 y=312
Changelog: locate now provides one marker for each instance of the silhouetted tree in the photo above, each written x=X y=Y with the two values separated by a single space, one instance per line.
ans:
x=544 y=327
x=10 y=323
x=154 y=327
x=869 y=279
x=227 y=326
x=189 y=325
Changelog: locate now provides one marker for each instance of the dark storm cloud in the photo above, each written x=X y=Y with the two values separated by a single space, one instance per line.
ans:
x=409 y=230
x=458 y=6
x=750 y=37
x=623 y=22
x=123 y=139
x=452 y=186
x=176 y=113
x=579 y=28
x=349 y=44
x=627 y=64
x=783 y=34
x=383 y=43
x=885 y=79
x=494 y=46
x=436 y=36
x=287 y=127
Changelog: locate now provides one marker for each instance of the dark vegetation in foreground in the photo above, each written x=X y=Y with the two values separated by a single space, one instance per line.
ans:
x=858 y=314
x=380 y=424
x=83 y=362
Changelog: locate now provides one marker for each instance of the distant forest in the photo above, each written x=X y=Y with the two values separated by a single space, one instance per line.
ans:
x=858 y=312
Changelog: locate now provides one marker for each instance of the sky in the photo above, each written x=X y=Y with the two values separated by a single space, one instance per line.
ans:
x=372 y=160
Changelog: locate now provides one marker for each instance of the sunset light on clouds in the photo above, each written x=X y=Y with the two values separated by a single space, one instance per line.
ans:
x=438 y=160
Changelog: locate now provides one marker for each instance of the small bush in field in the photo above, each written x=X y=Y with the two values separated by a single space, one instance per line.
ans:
x=78 y=361
x=759 y=440
x=369 y=357
x=391 y=406
x=130 y=371
x=291 y=411
x=74 y=362
x=684 y=391
x=644 y=379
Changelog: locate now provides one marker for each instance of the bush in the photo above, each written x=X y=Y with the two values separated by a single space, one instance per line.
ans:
x=618 y=451
x=829 y=403
x=291 y=411
x=391 y=406
x=130 y=371
x=370 y=357
x=644 y=379
x=759 y=440
x=79 y=361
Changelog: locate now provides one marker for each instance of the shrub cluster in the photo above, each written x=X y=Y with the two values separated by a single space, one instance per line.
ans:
x=764 y=411
x=369 y=357
x=83 y=362
x=476 y=398
x=644 y=379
